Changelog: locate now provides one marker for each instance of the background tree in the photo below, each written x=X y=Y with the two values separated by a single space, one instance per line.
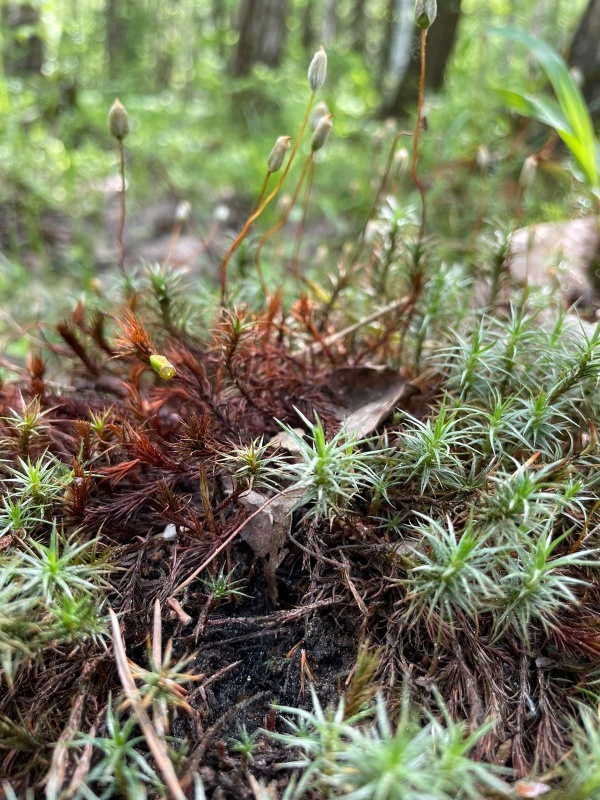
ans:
x=440 y=41
x=307 y=26
x=358 y=21
x=330 y=22
x=585 y=55
x=262 y=29
x=23 y=46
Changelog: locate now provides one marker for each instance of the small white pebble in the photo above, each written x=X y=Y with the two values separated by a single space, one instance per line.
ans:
x=170 y=531
x=221 y=213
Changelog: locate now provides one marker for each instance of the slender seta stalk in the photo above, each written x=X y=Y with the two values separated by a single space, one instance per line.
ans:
x=263 y=191
x=381 y=192
x=300 y=231
x=319 y=138
x=118 y=125
x=355 y=266
x=415 y=150
x=306 y=169
x=261 y=207
x=317 y=72
x=123 y=210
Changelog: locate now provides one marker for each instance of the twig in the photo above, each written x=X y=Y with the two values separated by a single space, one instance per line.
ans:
x=316 y=347
x=213 y=679
x=58 y=765
x=83 y=767
x=159 y=707
x=277 y=617
x=195 y=758
x=176 y=607
x=155 y=743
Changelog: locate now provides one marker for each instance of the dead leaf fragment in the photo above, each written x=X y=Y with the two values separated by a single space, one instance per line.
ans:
x=367 y=395
x=531 y=788
x=285 y=441
x=267 y=532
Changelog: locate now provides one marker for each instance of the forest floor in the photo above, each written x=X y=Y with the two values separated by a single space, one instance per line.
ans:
x=262 y=599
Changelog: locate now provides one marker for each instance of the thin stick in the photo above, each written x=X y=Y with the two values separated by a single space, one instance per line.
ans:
x=83 y=766
x=122 y=216
x=156 y=745
x=415 y=152
x=316 y=347
x=58 y=764
x=157 y=637
x=159 y=709
x=196 y=757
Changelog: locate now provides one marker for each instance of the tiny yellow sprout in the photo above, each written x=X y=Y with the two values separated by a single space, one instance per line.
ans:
x=163 y=367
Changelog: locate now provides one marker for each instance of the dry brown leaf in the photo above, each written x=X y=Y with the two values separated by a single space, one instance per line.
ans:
x=284 y=441
x=367 y=395
x=267 y=532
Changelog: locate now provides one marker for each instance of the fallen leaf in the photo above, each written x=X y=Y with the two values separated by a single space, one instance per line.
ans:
x=531 y=788
x=367 y=395
x=267 y=532
x=284 y=441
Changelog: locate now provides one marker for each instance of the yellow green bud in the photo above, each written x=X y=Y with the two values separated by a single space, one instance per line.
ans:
x=425 y=13
x=317 y=72
x=163 y=367
x=278 y=152
x=118 y=121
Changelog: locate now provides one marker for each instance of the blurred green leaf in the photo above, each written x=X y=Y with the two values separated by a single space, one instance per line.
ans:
x=569 y=117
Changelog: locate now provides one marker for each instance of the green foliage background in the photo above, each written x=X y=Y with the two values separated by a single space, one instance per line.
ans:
x=200 y=132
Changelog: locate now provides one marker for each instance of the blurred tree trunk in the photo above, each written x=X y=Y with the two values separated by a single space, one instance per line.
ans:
x=585 y=55
x=164 y=47
x=23 y=46
x=330 y=22
x=389 y=24
x=401 y=40
x=112 y=36
x=262 y=34
x=359 y=26
x=217 y=13
x=219 y=17
x=307 y=26
x=440 y=41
